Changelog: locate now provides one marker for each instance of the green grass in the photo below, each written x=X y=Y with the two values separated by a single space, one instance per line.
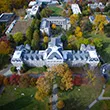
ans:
x=79 y=100
x=56 y=11
x=37 y=70
x=83 y=97
x=107 y=90
x=101 y=105
x=12 y=100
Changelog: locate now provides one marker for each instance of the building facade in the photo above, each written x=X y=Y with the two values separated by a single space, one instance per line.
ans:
x=59 y=21
x=55 y=55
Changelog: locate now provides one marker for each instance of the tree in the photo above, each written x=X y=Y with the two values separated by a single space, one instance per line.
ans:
x=107 y=29
x=10 y=5
x=65 y=75
x=24 y=81
x=26 y=42
x=64 y=13
x=98 y=43
x=5 y=47
x=13 y=69
x=46 y=39
x=1 y=79
x=44 y=88
x=33 y=81
x=29 y=33
x=46 y=12
x=69 y=12
x=6 y=81
x=60 y=104
x=77 y=80
x=18 y=37
x=78 y=32
x=14 y=79
x=34 y=44
x=53 y=26
x=107 y=8
x=36 y=36
x=66 y=6
x=74 y=19
x=99 y=22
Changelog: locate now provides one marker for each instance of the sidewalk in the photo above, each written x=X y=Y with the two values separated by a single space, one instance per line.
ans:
x=6 y=71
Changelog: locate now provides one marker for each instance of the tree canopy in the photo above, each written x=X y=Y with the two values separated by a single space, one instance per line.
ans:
x=18 y=37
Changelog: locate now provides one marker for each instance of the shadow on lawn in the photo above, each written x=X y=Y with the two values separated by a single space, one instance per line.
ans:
x=17 y=104
x=72 y=104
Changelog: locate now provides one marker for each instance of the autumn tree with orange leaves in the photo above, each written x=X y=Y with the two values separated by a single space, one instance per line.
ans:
x=5 y=49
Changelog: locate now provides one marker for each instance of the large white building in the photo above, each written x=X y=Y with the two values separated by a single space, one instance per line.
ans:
x=60 y=21
x=75 y=9
x=55 y=55
x=96 y=5
x=32 y=11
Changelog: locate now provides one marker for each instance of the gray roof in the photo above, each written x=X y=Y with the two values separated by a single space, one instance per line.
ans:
x=44 y=24
x=55 y=42
x=6 y=17
x=54 y=55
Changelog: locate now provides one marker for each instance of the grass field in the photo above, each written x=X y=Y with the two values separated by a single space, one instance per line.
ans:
x=101 y=105
x=107 y=90
x=80 y=97
x=56 y=10
x=36 y=70
x=12 y=100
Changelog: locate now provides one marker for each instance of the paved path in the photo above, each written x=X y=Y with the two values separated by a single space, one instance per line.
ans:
x=54 y=94
x=99 y=98
x=54 y=97
x=6 y=70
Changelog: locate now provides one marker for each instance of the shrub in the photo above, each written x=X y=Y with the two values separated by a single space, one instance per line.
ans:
x=6 y=81
x=24 y=81
x=13 y=69
x=14 y=79
x=1 y=79
x=60 y=104
x=77 y=80
x=33 y=81
x=24 y=68
x=53 y=26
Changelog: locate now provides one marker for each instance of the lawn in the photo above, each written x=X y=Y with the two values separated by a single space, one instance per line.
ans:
x=101 y=105
x=107 y=89
x=81 y=96
x=13 y=100
x=36 y=70
x=57 y=11
x=105 y=50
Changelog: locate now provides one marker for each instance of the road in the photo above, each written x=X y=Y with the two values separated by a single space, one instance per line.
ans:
x=105 y=69
x=6 y=71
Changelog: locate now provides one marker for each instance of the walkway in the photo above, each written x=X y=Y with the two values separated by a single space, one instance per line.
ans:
x=6 y=70
x=54 y=95
x=99 y=98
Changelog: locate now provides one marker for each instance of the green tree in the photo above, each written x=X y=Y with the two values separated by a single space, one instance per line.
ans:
x=36 y=36
x=18 y=37
x=46 y=12
x=34 y=44
x=107 y=29
x=26 y=42
x=99 y=22
x=74 y=19
x=46 y=39
x=97 y=42
x=69 y=12
x=29 y=33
